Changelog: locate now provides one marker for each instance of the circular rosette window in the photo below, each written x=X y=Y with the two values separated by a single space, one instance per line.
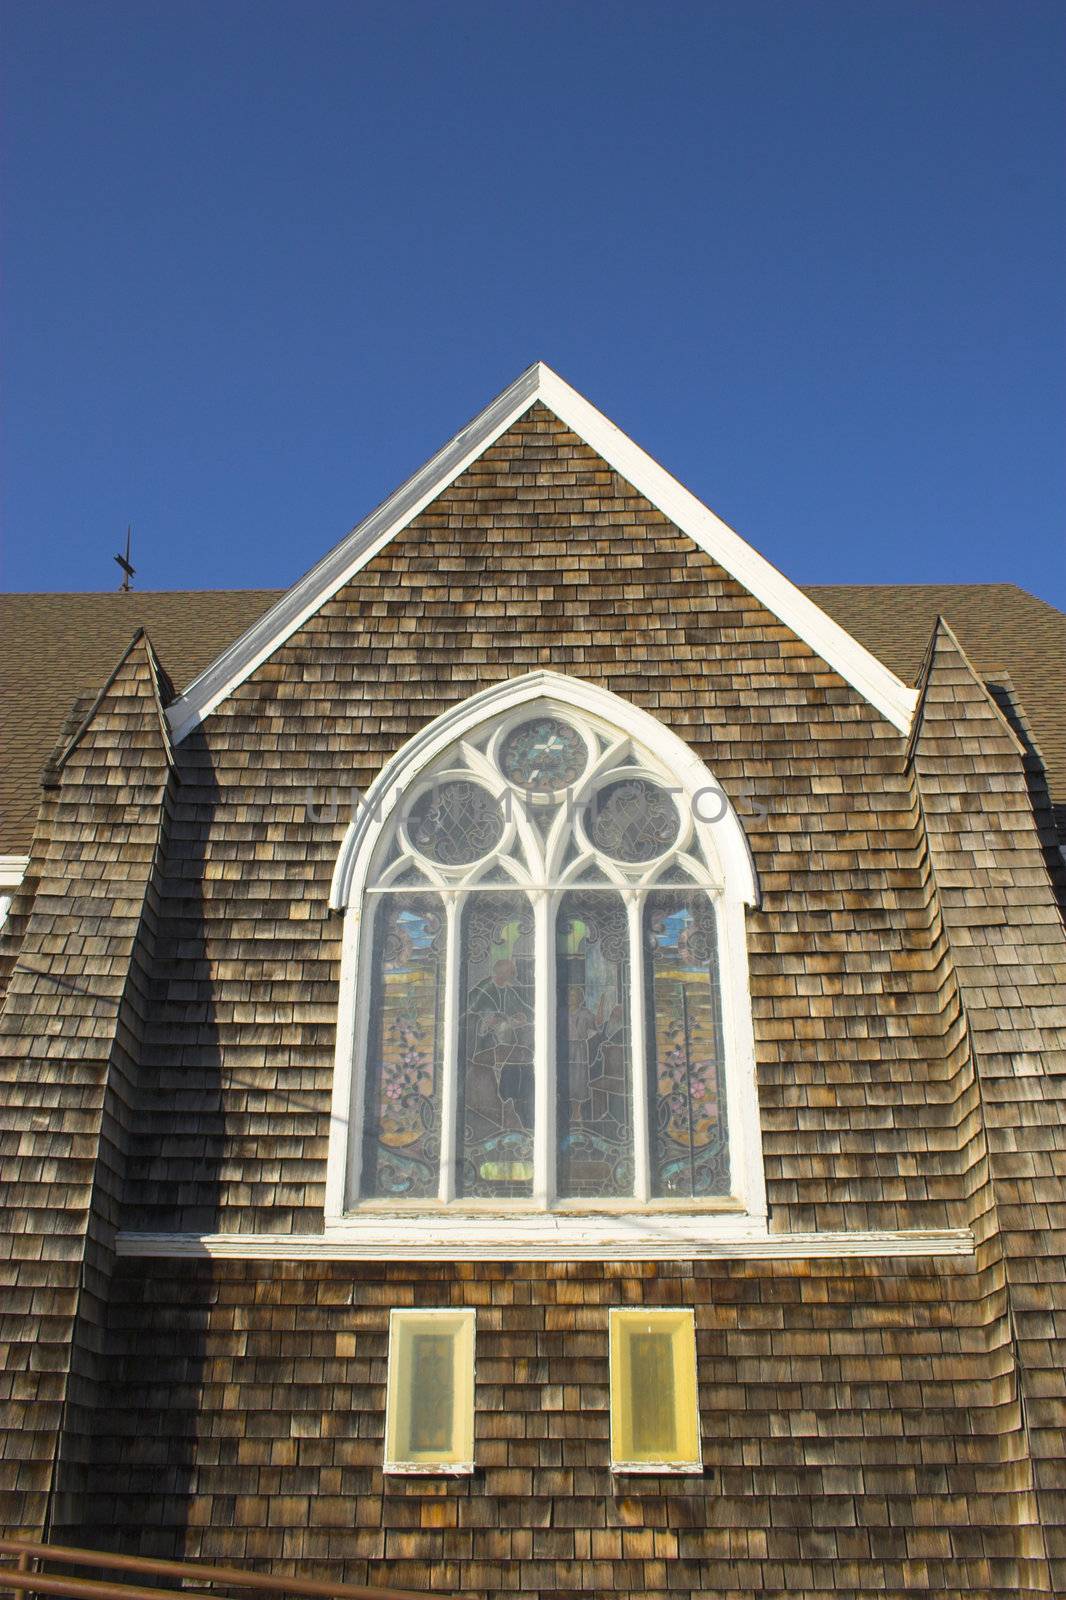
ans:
x=543 y=754
x=632 y=820
x=455 y=822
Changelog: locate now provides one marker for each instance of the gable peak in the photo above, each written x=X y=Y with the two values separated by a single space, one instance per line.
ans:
x=540 y=383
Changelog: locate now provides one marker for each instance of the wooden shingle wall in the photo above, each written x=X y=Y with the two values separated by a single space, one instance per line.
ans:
x=539 y=556
x=1005 y=933
x=68 y=1045
x=853 y=1431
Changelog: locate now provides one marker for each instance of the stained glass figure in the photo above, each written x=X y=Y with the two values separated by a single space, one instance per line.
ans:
x=593 y=1061
x=495 y=1066
x=686 y=1075
x=543 y=754
x=632 y=819
x=455 y=822
x=401 y=1126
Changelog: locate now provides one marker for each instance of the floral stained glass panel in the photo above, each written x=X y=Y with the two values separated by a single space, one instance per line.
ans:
x=401 y=1140
x=686 y=1077
x=495 y=1078
x=593 y=1059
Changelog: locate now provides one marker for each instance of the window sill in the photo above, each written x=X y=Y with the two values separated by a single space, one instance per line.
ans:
x=656 y=1469
x=623 y=1235
x=428 y=1469
x=480 y=1210
x=722 y=1238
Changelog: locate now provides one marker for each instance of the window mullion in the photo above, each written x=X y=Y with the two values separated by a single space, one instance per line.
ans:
x=544 y=1119
x=637 y=1048
x=449 y=1133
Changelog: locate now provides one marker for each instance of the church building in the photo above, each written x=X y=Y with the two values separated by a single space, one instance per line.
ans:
x=533 y=1063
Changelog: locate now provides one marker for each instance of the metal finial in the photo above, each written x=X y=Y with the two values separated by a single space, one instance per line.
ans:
x=124 y=563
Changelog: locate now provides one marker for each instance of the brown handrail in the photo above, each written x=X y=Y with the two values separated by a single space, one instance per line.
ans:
x=20 y=1578
x=91 y=1589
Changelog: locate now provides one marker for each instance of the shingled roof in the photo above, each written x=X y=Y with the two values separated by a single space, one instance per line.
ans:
x=1005 y=631
x=55 y=648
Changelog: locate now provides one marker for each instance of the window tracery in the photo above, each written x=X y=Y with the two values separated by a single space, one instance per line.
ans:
x=541 y=1022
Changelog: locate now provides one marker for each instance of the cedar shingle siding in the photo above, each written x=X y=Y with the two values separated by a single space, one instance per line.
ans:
x=872 y=1426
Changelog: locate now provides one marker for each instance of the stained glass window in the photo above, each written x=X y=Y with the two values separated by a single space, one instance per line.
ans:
x=686 y=1080
x=455 y=822
x=401 y=1126
x=632 y=820
x=496 y=1023
x=592 y=1057
x=543 y=754
x=503 y=857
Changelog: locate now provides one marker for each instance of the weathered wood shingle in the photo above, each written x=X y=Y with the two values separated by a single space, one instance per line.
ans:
x=858 y=1436
x=1005 y=934
x=69 y=1038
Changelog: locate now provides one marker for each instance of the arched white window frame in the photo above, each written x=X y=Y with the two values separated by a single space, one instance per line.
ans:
x=542 y=1226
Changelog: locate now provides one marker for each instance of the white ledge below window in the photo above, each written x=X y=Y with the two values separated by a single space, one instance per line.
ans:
x=620 y=1238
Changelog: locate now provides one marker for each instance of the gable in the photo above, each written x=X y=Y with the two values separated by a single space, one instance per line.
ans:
x=540 y=557
x=539 y=386
x=518 y=568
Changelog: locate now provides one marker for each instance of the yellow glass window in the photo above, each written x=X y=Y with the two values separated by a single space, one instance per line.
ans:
x=655 y=1421
x=429 y=1404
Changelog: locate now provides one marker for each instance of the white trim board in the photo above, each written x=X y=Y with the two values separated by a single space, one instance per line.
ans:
x=870 y=677
x=599 y=1239
x=12 y=871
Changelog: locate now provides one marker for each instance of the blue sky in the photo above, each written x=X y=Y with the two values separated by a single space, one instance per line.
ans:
x=261 y=259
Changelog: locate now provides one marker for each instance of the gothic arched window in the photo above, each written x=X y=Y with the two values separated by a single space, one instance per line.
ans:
x=544 y=994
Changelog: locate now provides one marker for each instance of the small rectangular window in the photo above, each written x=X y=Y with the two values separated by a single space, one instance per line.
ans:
x=655 y=1421
x=429 y=1403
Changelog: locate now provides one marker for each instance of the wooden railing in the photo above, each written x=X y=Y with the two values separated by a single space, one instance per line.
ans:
x=25 y=1576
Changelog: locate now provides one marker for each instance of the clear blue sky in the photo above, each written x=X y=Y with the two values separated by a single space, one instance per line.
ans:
x=261 y=259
